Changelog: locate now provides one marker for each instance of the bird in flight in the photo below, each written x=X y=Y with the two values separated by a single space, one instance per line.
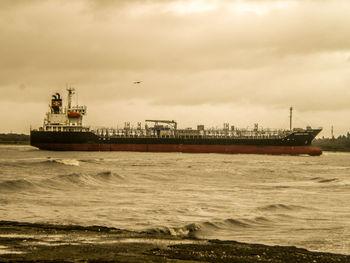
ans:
x=137 y=82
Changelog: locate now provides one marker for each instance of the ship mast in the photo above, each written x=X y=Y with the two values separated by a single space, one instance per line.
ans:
x=71 y=91
x=290 y=117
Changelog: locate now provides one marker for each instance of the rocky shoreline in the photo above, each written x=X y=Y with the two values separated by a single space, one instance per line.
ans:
x=27 y=242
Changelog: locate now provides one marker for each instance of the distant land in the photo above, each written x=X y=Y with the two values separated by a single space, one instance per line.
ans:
x=339 y=144
x=14 y=138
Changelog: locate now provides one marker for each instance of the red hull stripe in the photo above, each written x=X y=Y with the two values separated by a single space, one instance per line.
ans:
x=232 y=149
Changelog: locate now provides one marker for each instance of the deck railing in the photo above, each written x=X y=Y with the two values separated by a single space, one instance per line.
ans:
x=204 y=134
x=183 y=134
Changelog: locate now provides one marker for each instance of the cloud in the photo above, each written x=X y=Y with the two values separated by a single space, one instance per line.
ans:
x=268 y=54
x=58 y=35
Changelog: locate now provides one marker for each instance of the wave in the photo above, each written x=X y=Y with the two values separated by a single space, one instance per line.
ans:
x=72 y=162
x=245 y=222
x=16 y=185
x=200 y=229
x=63 y=181
x=328 y=180
x=73 y=178
x=186 y=231
x=79 y=179
x=281 y=207
x=235 y=223
x=144 y=165
x=94 y=161
x=316 y=178
x=33 y=162
x=104 y=175
x=108 y=175
x=323 y=180
x=11 y=164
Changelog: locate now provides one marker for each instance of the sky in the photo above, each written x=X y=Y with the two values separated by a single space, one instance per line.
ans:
x=200 y=62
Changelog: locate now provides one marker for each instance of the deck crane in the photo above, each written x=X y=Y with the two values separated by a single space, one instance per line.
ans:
x=173 y=123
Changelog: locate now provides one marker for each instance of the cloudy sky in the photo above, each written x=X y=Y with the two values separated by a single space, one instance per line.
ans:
x=200 y=62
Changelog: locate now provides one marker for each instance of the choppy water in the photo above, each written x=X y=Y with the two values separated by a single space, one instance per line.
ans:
x=285 y=200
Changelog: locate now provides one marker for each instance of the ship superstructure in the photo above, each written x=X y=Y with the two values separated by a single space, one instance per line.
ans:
x=61 y=119
x=63 y=129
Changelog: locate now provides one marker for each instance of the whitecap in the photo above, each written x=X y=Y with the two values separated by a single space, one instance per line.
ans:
x=72 y=162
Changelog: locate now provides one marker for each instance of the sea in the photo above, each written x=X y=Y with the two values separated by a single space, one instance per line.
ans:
x=298 y=201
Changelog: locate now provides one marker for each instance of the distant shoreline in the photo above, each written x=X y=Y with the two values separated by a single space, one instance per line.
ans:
x=340 y=144
x=15 y=143
x=14 y=139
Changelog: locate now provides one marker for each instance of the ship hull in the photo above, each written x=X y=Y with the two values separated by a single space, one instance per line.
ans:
x=229 y=149
x=88 y=141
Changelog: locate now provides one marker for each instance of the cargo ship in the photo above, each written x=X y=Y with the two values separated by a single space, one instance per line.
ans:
x=63 y=130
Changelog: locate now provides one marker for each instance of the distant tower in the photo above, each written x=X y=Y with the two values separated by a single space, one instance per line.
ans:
x=226 y=126
x=290 y=117
x=332 y=132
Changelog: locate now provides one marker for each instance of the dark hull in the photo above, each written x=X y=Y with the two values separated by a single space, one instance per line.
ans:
x=232 y=149
x=88 y=141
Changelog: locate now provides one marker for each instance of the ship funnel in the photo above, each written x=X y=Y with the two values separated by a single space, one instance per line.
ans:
x=56 y=103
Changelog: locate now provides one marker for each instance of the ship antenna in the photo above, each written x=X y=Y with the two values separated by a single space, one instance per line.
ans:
x=290 y=117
